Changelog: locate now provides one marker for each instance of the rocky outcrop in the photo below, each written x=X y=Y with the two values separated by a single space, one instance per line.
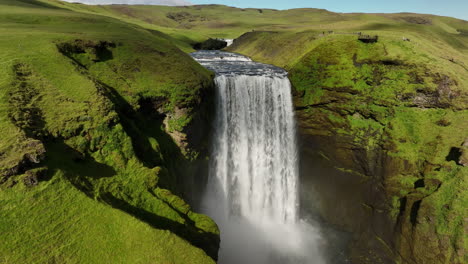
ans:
x=190 y=129
x=27 y=151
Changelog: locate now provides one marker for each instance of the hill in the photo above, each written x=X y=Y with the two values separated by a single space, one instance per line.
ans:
x=93 y=114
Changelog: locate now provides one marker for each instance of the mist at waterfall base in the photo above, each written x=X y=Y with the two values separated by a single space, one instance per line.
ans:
x=252 y=190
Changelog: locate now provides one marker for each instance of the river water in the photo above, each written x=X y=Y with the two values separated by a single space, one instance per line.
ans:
x=252 y=191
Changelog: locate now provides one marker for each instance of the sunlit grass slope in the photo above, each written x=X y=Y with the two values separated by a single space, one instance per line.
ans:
x=57 y=223
x=85 y=160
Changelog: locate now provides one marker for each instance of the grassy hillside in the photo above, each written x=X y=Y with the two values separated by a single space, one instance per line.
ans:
x=196 y=23
x=92 y=111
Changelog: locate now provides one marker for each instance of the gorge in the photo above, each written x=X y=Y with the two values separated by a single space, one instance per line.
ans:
x=252 y=190
x=298 y=143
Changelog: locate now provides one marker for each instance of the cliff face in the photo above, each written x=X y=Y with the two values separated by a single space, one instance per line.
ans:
x=101 y=129
x=388 y=131
x=382 y=130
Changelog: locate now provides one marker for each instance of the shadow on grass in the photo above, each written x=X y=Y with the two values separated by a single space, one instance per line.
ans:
x=133 y=125
x=78 y=169
x=86 y=174
x=82 y=173
x=189 y=232
x=140 y=126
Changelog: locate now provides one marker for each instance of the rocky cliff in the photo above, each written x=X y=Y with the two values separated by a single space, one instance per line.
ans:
x=383 y=127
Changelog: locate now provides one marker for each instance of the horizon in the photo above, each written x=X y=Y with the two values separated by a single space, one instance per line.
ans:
x=450 y=8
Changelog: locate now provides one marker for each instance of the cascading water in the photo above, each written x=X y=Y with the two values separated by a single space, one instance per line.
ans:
x=252 y=190
x=254 y=158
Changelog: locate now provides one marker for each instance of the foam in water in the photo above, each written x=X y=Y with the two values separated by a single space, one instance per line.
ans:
x=252 y=191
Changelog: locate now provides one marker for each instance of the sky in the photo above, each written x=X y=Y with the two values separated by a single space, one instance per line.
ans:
x=453 y=8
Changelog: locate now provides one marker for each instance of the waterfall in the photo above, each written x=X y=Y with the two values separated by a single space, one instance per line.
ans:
x=252 y=190
x=255 y=156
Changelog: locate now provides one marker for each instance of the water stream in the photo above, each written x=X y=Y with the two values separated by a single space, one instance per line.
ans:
x=252 y=190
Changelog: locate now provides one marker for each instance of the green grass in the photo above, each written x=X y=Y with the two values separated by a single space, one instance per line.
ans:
x=104 y=198
x=56 y=223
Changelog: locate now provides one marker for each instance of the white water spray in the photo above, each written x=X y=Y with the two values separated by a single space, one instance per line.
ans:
x=252 y=191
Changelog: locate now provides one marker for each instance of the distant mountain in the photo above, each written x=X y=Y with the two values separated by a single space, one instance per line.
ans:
x=133 y=2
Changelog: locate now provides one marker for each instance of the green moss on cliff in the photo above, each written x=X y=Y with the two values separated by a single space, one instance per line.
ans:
x=396 y=103
x=387 y=101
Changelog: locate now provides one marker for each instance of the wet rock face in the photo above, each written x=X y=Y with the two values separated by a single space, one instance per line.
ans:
x=391 y=204
x=343 y=181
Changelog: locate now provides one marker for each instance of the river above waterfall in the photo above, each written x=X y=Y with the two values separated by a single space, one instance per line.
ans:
x=252 y=190
x=230 y=64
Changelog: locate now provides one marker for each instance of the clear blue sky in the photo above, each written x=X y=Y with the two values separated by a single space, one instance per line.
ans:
x=454 y=8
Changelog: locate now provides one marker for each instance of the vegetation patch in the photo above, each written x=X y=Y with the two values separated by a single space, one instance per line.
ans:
x=183 y=17
x=417 y=20
x=96 y=51
x=210 y=44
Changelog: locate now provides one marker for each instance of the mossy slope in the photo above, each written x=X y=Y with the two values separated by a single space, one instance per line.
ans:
x=94 y=113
